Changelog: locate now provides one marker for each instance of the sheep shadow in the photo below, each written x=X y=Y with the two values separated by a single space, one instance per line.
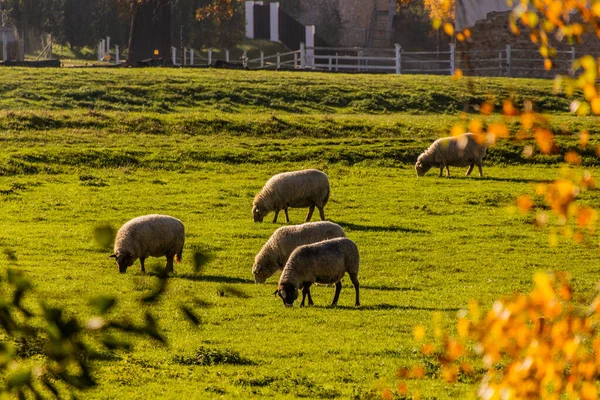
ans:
x=371 y=228
x=385 y=288
x=386 y=306
x=210 y=278
x=512 y=180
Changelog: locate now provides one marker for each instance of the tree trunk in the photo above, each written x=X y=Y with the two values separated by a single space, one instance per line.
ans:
x=150 y=31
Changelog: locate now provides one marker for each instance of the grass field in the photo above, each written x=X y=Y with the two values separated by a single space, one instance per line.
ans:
x=80 y=148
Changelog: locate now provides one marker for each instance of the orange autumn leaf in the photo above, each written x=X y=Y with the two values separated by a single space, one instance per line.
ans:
x=525 y=203
x=544 y=140
x=584 y=138
x=573 y=158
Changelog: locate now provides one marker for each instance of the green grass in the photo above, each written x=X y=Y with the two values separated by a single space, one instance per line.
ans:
x=84 y=148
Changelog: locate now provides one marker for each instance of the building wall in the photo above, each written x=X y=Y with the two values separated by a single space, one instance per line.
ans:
x=493 y=33
x=352 y=17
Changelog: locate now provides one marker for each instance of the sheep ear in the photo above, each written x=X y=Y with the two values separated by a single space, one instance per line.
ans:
x=113 y=255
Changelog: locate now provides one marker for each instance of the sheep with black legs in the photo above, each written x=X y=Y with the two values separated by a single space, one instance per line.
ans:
x=297 y=189
x=457 y=151
x=149 y=236
x=276 y=251
x=324 y=262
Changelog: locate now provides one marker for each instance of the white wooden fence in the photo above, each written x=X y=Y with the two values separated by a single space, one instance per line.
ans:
x=500 y=62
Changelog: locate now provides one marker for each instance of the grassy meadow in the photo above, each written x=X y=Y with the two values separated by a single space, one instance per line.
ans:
x=84 y=147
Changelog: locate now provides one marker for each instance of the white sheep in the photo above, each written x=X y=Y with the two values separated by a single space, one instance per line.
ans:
x=324 y=262
x=458 y=151
x=149 y=236
x=297 y=189
x=276 y=251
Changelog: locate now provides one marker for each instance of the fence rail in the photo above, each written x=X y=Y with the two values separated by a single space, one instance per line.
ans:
x=499 y=62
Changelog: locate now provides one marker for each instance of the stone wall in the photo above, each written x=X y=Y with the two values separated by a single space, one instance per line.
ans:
x=340 y=22
x=493 y=34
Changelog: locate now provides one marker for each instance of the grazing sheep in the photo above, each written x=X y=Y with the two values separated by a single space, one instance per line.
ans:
x=276 y=251
x=459 y=151
x=298 y=189
x=149 y=236
x=324 y=262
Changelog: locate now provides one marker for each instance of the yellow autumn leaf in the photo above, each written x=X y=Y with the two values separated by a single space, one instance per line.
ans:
x=449 y=29
x=419 y=333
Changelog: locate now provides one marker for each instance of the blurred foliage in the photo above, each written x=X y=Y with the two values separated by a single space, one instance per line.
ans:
x=64 y=342
x=544 y=344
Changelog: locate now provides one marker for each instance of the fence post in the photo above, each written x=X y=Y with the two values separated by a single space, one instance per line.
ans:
x=250 y=19
x=330 y=61
x=452 y=59
x=227 y=55
x=262 y=58
x=184 y=61
x=337 y=61
x=359 y=61
x=302 y=55
x=117 y=57
x=295 y=60
x=209 y=56
x=274 y=20
x=174 y=55
x=278 y=58
x=398 y=59
x=245 y=60
x=107 y=45
x=191 y=57
x=310 y=44
x=50 y=51
x=508 y=60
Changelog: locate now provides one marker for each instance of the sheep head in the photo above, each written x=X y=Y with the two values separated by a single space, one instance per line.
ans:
x=422 y=166
x=124 y=260
x=288 y=294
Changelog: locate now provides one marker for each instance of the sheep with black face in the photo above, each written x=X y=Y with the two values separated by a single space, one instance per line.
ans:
x=457 y=151
x=276 y=251
x=297 y=189
x=149 y=236
x=324 y=262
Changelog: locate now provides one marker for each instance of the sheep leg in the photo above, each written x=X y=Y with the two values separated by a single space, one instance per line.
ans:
x=311 y=209
x=169 y=266
x=287 y=217
x=447 y=171
x=321 y=213
x=470 y=169
x=441 y=171
x=338 y=289
x=142 y=264
x=354 y=279
x=480 y=169
x=276 y=214
x=306 y=292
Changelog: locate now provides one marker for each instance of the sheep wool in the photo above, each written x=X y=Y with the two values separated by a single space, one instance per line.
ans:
x=324 y=262
x=297 y=189
x=276 y=251
x=458 y=151
x=149 y=236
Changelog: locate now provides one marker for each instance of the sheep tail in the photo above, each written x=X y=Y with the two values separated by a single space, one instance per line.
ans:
x=326 y=199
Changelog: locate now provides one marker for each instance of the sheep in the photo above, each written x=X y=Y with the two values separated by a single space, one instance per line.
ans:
x=276 y=251
x=459 y=151
x=324 y=262
x=297 y=189
x=149 y=235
